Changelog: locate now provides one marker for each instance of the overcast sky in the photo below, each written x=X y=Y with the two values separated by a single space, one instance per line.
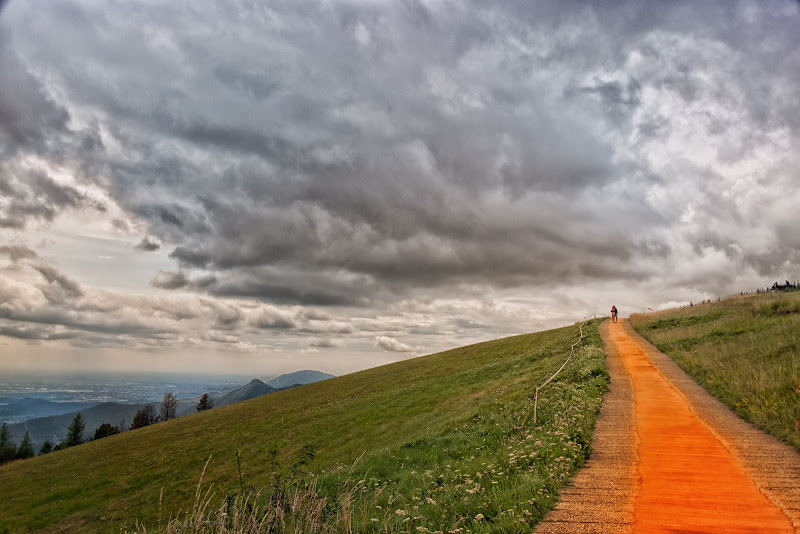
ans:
x=259 y=187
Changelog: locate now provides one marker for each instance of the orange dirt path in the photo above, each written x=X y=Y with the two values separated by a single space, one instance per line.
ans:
x=688 y=480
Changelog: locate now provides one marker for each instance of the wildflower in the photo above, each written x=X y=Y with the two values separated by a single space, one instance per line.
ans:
x=479 y=517
x=400 y=512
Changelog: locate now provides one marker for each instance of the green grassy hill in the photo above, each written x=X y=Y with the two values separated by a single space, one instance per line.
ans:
x=423 y=445
x=744 y=350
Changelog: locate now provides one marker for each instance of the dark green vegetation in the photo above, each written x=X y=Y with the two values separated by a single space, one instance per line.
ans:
x=743 y=350
x=423 y=445
x=9 y=450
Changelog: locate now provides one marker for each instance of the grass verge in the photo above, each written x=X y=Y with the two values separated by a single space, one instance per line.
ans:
x=424 y=445
x=743 y=350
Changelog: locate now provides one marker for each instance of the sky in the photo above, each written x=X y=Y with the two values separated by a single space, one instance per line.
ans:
x=254 y=186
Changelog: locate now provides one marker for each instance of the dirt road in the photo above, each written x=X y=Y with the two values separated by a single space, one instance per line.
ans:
x=677 y=460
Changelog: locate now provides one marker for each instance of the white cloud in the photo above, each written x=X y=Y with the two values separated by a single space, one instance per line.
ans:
x=391 y=344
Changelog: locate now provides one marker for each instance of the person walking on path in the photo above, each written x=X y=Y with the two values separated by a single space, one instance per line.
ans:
x=614 y=313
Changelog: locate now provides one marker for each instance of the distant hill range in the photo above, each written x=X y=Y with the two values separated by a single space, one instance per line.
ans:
x=297 y=378
x=54 y=427
x=28 y=408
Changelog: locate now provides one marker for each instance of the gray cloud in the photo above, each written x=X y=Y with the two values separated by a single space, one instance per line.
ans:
x=323 y=343
x=34 y=332
x=171 y=280
x=363 y=156
x=28 y=114
x=35 y=196
x=148 y=244
x=17 y=252
x=59 y=286
x=270 y=317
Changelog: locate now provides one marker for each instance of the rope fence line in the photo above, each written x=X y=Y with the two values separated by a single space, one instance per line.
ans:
x=535 y=400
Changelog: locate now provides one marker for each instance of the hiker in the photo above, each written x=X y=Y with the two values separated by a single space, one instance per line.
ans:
x=614 y=313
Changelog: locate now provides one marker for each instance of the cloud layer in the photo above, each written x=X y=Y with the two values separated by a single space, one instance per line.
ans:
x=368 y=157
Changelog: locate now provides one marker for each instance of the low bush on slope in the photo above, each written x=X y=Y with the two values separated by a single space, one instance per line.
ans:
x=743 y=350
x=424 y=445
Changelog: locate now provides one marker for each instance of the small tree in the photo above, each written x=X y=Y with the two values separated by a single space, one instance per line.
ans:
x=105 y=430
x=8 y=449
x=25 y=449
x=169 y=407
x=144 y=417
x=47 y=448
x=206 y=403
x=75 y=432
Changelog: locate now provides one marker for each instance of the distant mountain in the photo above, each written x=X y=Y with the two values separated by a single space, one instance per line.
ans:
x=254 y=389
x=187 y=406
x=298 y=378
x=54 y=428
x=31 y=407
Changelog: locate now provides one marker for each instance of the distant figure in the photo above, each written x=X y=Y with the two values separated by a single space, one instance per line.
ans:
x=614 y=313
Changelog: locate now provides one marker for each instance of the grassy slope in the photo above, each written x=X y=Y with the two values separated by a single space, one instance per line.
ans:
x=744 y=350
x=379 y=432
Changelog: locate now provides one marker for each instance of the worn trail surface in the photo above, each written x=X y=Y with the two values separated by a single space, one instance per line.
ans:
x=674 y=458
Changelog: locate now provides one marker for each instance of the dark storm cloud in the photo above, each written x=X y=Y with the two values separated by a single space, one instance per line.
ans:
x=35 y=196
x=171 y=280
x=351 y=154
x=28 y=115
x=148 y=244
x=59 y=286
x=322 y=343
x=34 y=332
x=17 y=252
x=295 y=284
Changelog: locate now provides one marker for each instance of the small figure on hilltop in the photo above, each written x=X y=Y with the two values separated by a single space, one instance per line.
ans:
x=614 y=313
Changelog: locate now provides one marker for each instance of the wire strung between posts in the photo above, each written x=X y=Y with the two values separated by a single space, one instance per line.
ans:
x=536 y=393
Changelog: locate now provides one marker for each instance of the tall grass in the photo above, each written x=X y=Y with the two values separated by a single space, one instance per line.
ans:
x=484 y=474
x=743 y=350
x=426 y=445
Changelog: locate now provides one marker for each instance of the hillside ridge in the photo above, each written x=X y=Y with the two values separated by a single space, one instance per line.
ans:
x=426 y=428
